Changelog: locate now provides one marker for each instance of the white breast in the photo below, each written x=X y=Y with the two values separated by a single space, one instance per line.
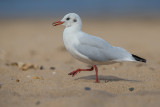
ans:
x=71 y=40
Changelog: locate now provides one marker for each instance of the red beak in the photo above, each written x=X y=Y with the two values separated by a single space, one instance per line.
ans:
x=57 y=23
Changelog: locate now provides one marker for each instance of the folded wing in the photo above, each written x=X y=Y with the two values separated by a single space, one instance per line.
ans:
x=98 y=49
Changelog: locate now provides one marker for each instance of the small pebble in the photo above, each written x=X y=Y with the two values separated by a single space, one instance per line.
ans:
x=131 y=89
x=87 y=88
x=35 y=77
x=41 y=67
x=52 y=68
x=17 y=80
x=38 y=102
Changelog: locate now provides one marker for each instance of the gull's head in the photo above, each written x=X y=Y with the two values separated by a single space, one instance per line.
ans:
x=69 y=20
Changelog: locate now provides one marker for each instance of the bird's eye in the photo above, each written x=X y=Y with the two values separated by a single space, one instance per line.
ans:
x=75 y=20
x=67 y=18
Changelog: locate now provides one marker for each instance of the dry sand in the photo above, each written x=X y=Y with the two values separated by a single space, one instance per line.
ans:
x=37 y=42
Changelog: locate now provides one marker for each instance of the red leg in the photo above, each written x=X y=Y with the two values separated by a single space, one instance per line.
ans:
x=91 y=69
x=96 y=69
x=79 y=70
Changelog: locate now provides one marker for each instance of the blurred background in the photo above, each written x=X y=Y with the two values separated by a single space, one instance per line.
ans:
x=87 y=8
x=132 y=24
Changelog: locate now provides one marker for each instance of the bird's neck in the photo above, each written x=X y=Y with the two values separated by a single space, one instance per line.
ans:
x=73 y=29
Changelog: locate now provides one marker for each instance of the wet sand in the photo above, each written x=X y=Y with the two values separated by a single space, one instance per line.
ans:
x=38 y=42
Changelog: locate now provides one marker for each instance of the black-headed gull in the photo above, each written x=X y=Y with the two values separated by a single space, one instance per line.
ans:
x=90 y=49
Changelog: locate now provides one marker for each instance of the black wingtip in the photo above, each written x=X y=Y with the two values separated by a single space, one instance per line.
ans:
x=137 y=58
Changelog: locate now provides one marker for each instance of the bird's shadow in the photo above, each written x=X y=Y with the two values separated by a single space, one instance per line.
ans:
x=106 y=78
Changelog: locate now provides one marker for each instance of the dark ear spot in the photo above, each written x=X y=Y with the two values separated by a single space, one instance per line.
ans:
x=75 y=20
x=67 y=18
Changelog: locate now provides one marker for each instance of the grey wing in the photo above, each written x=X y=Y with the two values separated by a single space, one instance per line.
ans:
x=98 y=49
x=93 y=53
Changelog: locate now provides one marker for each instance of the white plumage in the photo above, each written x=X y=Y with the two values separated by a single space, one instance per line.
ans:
x=90 y=49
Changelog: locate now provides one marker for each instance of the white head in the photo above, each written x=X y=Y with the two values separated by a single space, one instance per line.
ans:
x=70 y=20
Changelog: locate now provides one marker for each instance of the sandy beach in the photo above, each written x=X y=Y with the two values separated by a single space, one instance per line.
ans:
x=37 y=42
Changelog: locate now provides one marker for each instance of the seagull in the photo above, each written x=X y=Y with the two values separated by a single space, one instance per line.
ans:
x=90 y=49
